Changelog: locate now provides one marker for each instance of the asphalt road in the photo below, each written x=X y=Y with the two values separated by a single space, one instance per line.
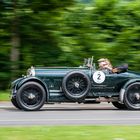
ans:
x=68 y=114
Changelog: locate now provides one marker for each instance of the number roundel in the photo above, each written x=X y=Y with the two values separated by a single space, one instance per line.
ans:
x=98 y=77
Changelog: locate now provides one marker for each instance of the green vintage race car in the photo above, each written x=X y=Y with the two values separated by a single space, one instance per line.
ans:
x=82 y=84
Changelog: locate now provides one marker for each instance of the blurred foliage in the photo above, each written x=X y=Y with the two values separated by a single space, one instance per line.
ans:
x=63 y=33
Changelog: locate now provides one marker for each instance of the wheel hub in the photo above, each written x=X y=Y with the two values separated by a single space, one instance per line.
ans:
x=76 y=84
x=31 y=96
x=137 y=95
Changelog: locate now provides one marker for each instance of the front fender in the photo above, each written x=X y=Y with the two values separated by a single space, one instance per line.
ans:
x=14 y=87
x=15 y=82
x=20 y=82
x=122 y=92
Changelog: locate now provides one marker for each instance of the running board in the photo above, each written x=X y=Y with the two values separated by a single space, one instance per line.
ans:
x=102 y=99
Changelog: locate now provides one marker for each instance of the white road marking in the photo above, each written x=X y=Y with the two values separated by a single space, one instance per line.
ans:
x=41 y=120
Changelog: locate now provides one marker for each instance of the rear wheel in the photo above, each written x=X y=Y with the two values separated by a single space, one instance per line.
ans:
x=76 y=85
x=132 y=96
x=119 y=105
x=31 y=96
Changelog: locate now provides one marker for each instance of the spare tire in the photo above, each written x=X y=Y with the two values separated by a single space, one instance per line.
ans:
x=76 y=85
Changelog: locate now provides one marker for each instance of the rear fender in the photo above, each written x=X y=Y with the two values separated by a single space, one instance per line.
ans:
x=123 y=89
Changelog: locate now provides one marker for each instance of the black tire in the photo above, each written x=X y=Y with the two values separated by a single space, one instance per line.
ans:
x=119 y=105
x=31 y=96
x=14 y=102
x=132 y=96
x=76 y=85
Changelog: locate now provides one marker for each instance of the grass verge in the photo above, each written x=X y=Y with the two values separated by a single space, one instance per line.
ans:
x=70 y=133
x=4 y=96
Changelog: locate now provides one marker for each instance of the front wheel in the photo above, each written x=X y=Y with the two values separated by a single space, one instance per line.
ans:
x=31 y=96
x=14 y=102
x=132 y=96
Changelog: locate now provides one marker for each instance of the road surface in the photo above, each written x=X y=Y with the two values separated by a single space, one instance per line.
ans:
x=68 y=114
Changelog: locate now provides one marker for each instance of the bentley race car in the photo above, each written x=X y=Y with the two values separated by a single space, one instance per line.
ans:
x=82 y=84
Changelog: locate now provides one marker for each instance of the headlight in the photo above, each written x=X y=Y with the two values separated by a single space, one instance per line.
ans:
x=31 y=71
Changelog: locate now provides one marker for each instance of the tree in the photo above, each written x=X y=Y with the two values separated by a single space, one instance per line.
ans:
x=29 y=29
x=105 y=29
x=56 y=32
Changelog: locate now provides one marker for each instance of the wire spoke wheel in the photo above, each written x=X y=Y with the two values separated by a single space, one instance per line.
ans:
x=31 y=96
x=76 y=85
x=132 y=96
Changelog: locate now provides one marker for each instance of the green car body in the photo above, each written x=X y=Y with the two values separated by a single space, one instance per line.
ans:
x=75 y=84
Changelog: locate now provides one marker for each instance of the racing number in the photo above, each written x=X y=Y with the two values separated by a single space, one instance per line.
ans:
x=98 y=77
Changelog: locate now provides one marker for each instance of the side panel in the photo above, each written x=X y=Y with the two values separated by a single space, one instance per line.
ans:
x=111 y=86
x=55 y=89
x=53 y=79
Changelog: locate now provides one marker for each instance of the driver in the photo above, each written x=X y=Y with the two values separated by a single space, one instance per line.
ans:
x=105 y=65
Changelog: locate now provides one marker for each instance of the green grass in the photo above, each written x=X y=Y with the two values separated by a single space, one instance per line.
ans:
x=71 y=133
x=4 y=96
